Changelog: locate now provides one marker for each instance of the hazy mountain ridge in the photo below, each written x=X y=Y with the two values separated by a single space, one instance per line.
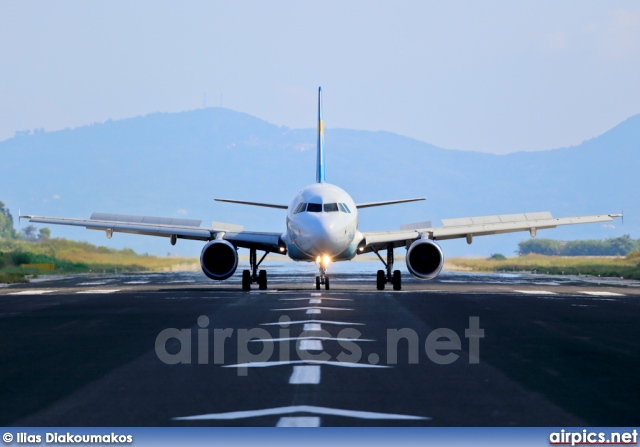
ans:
x=173 y=164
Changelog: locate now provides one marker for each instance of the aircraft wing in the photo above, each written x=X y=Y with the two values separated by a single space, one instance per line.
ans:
x=169 y=227
x=388 y=202
x=469 y=227
x=243 y=202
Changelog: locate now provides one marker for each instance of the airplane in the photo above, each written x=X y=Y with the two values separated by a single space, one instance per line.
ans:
x=321 y=227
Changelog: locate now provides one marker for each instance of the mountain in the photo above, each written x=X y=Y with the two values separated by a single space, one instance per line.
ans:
x=174 y=164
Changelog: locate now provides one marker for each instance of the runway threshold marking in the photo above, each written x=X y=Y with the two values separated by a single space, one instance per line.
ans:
x=324 y=411
x=299 y=421
x=103 y=291
x=33 y=292
x=305 y=374
x=601 y=293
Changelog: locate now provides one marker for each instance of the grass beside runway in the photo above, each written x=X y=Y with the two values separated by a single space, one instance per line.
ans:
x=20 y=260
x=627 y=267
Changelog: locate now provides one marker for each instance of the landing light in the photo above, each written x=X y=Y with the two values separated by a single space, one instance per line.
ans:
x=326 y=260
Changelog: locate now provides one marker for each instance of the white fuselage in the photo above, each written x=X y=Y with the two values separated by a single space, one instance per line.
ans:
x=322 y=220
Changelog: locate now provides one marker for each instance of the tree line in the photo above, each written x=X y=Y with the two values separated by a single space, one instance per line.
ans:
x=29 y=233
x=618 y=246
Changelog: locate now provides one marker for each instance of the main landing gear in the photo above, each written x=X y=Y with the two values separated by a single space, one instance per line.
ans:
x=251 y=276
x=391 y=276
x=322 y=278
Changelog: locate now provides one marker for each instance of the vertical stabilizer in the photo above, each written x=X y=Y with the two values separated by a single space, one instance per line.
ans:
x=320 y=161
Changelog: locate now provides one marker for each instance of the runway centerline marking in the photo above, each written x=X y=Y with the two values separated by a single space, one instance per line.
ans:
x=323 y=298
x=338 y=323
x=305 y=362
x=305 y=374
x=308 y=327
x=99 y=291
x=33 y=292
x=301 y=409
x=313 y=311
x=536 y=292
x=299 y=421
x=312 y=307
x=316 y=337
x=601 y=293
x=310 y=344
x=315 y=301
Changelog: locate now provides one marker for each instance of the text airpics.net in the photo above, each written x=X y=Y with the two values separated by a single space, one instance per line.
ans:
x=587 y=437
x=441 y=346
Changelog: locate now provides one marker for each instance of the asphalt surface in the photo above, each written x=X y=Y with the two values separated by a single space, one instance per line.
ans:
x=99 y=350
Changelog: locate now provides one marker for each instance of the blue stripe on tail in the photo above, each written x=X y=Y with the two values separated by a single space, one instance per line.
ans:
x=320 y=161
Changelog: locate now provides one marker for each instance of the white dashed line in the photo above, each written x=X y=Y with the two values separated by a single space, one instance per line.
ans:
x=316 y=294
x=95 y=283
x=315 y=301
x=312 y=307
x=305 y=374
x=313 y=311
x=137 y=282
x=305 y=362
x=32 y=292
x=338 y=323
x=324 y=298
x=315 y=337
x=301 y=409
x=602 y=293
x=99 y=291
x=312 y=327
x=536 y=292
x=299 y=421
x=311 y=345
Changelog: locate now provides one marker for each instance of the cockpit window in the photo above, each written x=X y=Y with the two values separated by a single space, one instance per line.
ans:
x=314 y=208
x=330 y=207
x=300 y=208
x=346 y=208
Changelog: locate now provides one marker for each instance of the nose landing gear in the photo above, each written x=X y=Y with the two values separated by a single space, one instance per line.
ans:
x=322 y=278
x=392 y=276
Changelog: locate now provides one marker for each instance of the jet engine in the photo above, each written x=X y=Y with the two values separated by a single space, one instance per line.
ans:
x=219 y=260
x=424 y=259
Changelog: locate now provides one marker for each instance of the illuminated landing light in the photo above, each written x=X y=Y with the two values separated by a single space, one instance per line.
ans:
x=281 y=249
x=361 y=249
x=326 y=260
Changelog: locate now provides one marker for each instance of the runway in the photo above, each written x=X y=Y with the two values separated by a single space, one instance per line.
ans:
x=176 y=349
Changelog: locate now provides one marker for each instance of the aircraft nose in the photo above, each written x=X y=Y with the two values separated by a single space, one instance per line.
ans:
x=331 y=238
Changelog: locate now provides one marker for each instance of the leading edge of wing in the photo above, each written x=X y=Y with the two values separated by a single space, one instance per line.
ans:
x=135 y=225
x=243 y=202
x=388 y=202
x=378 y=240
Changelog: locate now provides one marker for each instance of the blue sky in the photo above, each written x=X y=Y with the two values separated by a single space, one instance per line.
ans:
x=492 y=76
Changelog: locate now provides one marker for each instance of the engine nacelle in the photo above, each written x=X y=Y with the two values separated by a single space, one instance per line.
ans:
x=219 y=260
x=424 y=259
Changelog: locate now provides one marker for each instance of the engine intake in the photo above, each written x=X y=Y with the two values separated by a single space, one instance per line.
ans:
x=424 y=259
x=219 y=260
